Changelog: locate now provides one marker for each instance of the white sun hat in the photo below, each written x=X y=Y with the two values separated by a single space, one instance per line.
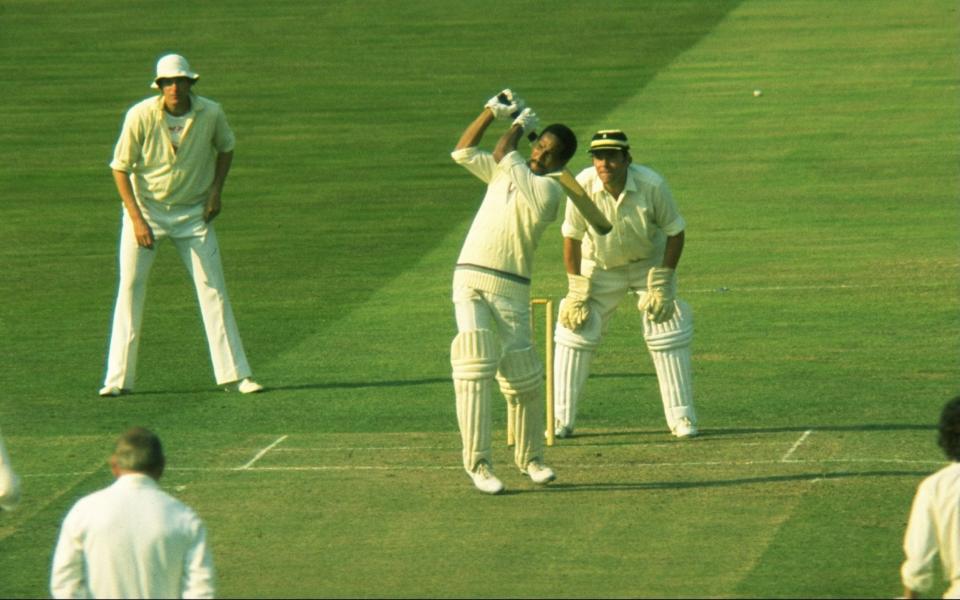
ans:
x=173 y=65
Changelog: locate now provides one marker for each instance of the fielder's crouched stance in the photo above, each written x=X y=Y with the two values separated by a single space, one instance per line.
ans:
x=491 y=287
x=639 y=258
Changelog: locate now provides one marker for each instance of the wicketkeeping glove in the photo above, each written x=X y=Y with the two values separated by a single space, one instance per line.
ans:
x=661 y=292
x=527 y=119
x=505 y=104
x=574 y=309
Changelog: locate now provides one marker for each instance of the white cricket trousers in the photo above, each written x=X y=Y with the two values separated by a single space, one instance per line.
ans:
x=494 y=345
x=196 y=241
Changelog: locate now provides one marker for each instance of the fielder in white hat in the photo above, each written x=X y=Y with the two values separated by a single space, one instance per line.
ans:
x=170 y=165
x=639 y=258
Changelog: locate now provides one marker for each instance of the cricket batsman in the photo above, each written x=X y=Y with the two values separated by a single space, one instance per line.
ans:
x=491 y=285
x=638 y=258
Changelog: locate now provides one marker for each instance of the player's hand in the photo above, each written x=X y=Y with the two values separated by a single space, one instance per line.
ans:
x=574 y=309
x=212 y=208
x=143 y=233
x=505 y=104
x=527 y=120
x=658 y=302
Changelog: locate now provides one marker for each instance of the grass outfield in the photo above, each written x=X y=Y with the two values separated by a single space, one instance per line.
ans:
x=821 y=263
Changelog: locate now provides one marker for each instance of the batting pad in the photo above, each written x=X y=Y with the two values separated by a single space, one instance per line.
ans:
x=520 y=372
x=571 y=368
x=675 y=333
x=473 y=355
x=474 y=362
x=528 y=427
x=675 y=377
x=669 y=345
x=585 y=338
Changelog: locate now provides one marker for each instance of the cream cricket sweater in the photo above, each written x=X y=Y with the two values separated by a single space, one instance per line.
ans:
x=497 y=255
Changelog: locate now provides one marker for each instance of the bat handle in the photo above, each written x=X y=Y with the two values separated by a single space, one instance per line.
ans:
x=532 y=136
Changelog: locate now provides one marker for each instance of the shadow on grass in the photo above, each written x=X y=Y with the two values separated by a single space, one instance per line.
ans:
x=628 y=436
x=679 y=485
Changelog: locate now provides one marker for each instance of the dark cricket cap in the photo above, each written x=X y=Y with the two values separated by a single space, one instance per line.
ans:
x=609 y=139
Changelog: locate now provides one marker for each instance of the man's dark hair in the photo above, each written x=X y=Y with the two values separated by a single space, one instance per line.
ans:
x=139 y=449
x=567 y=139
x=949 y=438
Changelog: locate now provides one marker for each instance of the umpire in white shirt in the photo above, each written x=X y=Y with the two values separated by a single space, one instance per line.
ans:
x=132 y=539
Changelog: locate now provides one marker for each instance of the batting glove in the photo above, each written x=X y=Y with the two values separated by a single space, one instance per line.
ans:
x=505 y=105
x=661 y=292
x=527 y=120
x=574 y=310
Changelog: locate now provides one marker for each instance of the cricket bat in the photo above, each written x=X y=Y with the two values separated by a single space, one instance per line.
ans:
x=581 y=200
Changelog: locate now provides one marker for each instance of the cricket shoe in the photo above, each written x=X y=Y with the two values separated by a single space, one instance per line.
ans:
x=484 y=479
x=560 y=432
x=538 y=472
x=685 y=429
x=249 y=386
x=109 y=391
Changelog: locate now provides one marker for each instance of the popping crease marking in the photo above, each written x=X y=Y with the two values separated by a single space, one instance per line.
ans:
x=796 y=444
x=261 y=454
x=730 y=463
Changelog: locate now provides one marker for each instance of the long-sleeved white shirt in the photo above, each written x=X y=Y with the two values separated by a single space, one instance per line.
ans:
x=132 y=540
x=9 y=481
x=642 y=217
x=516 y=210
x=934 y=529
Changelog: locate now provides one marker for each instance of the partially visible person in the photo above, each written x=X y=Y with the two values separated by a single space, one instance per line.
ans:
x=638 y=259
x=132 y=539
x=9 y=481
x=170 y=165
x=934 y=527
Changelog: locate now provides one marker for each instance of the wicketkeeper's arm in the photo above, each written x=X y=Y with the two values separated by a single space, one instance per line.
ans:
x=673 y=251
x=581 y=200
x=572 y=253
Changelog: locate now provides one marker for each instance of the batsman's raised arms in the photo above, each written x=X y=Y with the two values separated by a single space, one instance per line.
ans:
x=582 y=201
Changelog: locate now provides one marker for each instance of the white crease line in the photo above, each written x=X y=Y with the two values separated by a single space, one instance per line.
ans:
x=796 y=445
x=933 y=464
x=261 y=453
x=652 y=465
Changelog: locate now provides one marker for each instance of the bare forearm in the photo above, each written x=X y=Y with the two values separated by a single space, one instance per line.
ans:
x=507 y=142
x=673 y=251
x=474 y=132
x=125 y=190
x=222 y=169
x=572 y=254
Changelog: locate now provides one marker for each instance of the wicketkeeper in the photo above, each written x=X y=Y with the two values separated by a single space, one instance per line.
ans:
x=491 y=286
x=638 y=258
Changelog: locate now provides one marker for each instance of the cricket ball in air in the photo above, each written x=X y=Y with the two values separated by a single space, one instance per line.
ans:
x=757 y=93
